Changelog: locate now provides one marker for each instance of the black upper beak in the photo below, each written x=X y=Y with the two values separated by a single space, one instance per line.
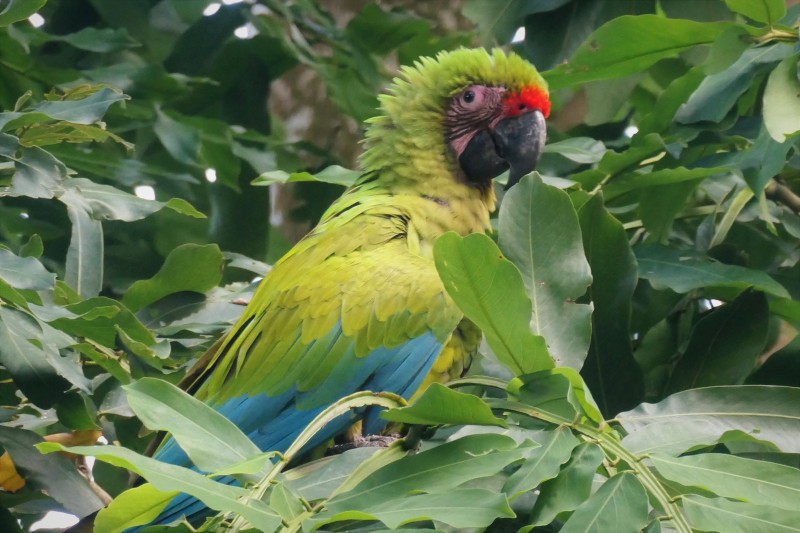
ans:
x=519 y=141
x=515 y=143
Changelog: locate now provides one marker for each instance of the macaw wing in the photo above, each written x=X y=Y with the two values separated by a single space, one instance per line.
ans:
x=351 y=308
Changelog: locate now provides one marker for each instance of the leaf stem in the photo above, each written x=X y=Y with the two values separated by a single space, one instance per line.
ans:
x=359 y=399
x=616 y=453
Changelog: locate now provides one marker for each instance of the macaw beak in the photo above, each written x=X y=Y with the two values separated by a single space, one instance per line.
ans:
x=514 y=143
x=519 y=141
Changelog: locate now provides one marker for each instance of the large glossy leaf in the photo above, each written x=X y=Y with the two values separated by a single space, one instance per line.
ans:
x=610 y=369
x=683 y=271
x=16 y=10
x=669 y=176
x=608 y=53
x=24 y=272
x=767 y=11
x=179 y=139
x=442 y=405
x=99 y=40
x=724 y=345
x=84 y=267
x=37 y=173
x=668 y=103
x=334 y=174
x=170 y=478
x=110 y=203
x=620 y=504
x=718 y=93
x=320 y=478
x=433 y=471
x=559 y=392
x=459 y=508
x=497 y=21
x=539 y=233
x=139 y=505
x=208 y=438
x=489 y=290
x=719 y=514
x=758 y=482
x=572 y=486
x=80 y=111
x=543 y=463
x=701 y=416
x=54 y=474
x=23 y=354
x=782 y=100
x=203 y=261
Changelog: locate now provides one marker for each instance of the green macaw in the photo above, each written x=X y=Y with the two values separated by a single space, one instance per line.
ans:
x=358 y=304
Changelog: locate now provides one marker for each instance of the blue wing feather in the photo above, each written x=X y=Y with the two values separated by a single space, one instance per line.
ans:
x=274 y=422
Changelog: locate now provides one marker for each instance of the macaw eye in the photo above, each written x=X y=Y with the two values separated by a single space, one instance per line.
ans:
x=469 y=96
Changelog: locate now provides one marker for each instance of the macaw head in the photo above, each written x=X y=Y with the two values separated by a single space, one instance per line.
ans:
x=482 y=112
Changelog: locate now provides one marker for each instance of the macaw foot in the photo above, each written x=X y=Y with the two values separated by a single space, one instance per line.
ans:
x=369 y=441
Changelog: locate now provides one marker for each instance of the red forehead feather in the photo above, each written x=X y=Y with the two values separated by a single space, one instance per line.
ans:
x=528 y=98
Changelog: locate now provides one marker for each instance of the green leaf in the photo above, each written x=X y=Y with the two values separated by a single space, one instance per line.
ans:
x=27 y=362
x=607 y=53
x=699 y=417
x=96 y=318
x=74 y=412
x=136 y=506
x=16 y=10
x=37 y=173
x=782 y=100
x=610 y=369
x=25 y=273
x=728 y=47
x=543 y=463
x=81 y=111
x=180 y=140
x=438 y=470
x=718 y=93
x=318 y=479
x=614 y=163
x=560 y=392
x=497 y=21
x=203 y=261
x=54 y=474
x=719 y=514
x=540 y=234
x=583 y=150
x=110 y=203
x=724 y=345
x=333 y=174
x=766 y=11
x=758 y=482
x=488 y=288
x=170 y=478
x=285 y=502
x=620 y=504
x=661 y=116
x=179 y=205
x=442 y=405
x=101 y=40
x=668 y=176
x=208 y=438
x=571 y=487
x=84 y=267
x=683 y=271
x=459 y=508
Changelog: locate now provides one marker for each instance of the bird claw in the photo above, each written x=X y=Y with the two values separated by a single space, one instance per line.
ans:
x=368 y=441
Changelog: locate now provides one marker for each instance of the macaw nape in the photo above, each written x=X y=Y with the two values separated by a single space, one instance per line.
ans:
x=357 y=304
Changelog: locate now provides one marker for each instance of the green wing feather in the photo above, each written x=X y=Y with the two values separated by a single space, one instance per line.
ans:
x=357 y=270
